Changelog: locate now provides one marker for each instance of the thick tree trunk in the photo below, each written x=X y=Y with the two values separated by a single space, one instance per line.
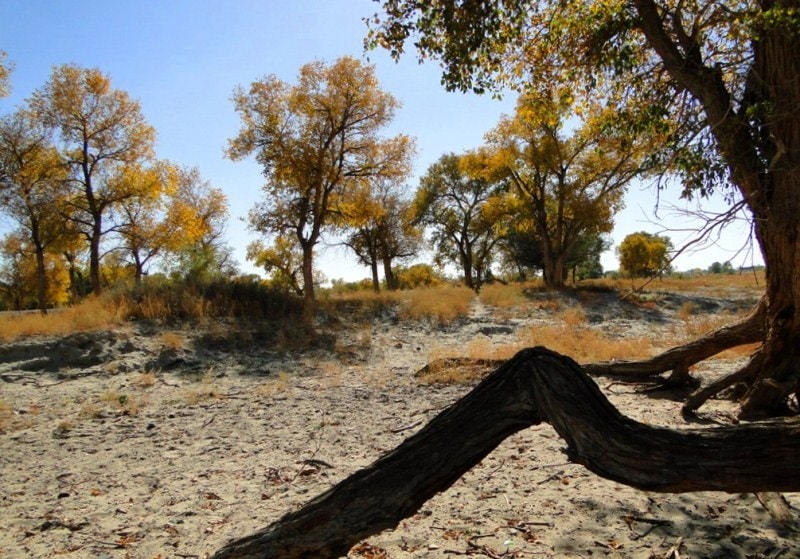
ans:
x=777 y=212
x=760 y=142
x=308 y=274
x=388 y=274
x=536 y=385
x=466 y=266
x=138 y=269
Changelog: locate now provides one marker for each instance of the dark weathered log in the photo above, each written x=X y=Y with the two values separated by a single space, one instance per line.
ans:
x=536 y=385
x=750 y=329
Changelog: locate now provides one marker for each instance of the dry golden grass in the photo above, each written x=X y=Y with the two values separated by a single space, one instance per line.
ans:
x=275 y=386
x=94 y=313
x=123 y=404
x=585 y=344
x=443 y=304
x=511 y=296
x=145 y=380
x=693 y=325
x=6 y=416
x=572 y=317
x=712 y=284
x=194 y=396
x=580 y=342
x=687 y=311
x=172 y=340
x=364 y=298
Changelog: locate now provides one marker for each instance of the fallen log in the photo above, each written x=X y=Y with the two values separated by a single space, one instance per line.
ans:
x=537 y=385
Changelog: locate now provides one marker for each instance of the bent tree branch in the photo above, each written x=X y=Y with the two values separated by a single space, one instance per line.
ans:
x=537 y=385
x=750 y=329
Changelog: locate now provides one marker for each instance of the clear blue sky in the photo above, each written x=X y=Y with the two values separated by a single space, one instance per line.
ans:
x=182 y=59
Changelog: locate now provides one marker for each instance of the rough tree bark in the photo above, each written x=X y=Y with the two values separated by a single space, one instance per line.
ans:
x=535 y=386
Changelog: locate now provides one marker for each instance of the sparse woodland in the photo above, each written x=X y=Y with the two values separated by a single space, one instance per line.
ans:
x=704 y=94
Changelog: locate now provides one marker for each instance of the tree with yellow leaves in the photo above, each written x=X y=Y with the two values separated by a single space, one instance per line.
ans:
x=197 y=214
x=723 y=72
x=283 y=261
x=32 y=189
x=464 y=211
x=316 y=140
x=643 y=254
x=20 y=272
x=101 y=130
x=378 y=221
x=142 y=227
x=568 y=185
x=5 y=72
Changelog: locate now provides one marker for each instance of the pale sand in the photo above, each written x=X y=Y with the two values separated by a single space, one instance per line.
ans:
x=215 y=449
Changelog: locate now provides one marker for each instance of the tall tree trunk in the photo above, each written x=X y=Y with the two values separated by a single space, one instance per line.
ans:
x=762 y=151
x=94 y=255
x=553 y=271
x=309 y=306
x=376 y=281
x=466 y=266
x=388 y=273
x=41 y=279
x=138 y=268
x=535 y=386
x=73 y=278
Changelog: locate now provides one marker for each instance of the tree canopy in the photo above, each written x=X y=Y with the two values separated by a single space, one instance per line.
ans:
x=567 y=185
x=32 y=188
x=316 y=140
x=643 y=254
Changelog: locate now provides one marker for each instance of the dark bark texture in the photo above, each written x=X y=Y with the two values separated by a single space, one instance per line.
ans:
x=535 y=386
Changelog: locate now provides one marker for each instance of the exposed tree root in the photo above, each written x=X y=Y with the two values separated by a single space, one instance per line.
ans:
x=746 y=374
x=535 y=386
x=748 y=330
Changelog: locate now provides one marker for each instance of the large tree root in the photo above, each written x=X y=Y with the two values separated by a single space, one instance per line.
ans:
x=748 y=330
x=746 y=374
x=536 y=385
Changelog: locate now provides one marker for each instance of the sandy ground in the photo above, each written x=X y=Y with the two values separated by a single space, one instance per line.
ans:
x=102 y=460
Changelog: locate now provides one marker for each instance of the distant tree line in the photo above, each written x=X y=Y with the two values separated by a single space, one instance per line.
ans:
x=94 y=207
x=535 y=198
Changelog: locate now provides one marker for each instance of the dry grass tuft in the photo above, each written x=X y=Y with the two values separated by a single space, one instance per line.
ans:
x=172 y=340
x=194 y=396
x=511 y=296
x=94 y=313
x=444 y=304
x=275 y=386
x=6 y=416
x=585 y=344
x=122 y=404
x=687 y=311
x=573 y=317
x=145 y=380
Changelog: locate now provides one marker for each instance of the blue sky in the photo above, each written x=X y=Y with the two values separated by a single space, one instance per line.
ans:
x=182 y=59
